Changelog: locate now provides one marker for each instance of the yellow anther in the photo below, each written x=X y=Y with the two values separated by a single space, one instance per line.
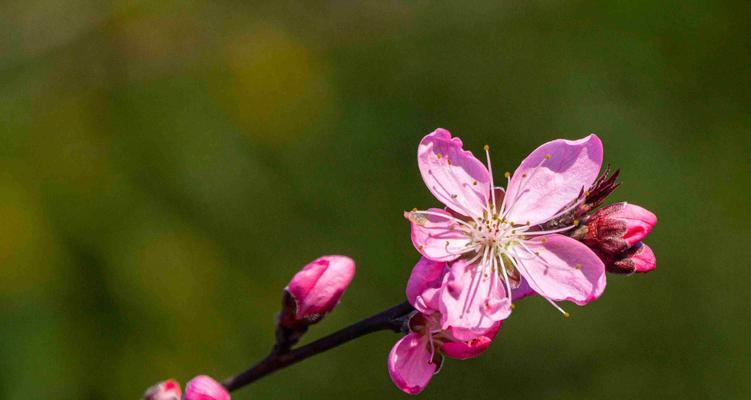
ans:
x=576 y=222
x=414 y=209
x=547 y=156
x=566 y=315
x=578 y=266
x=513 y=306
x=486 y=147
x=507 y=174
x=439 y=155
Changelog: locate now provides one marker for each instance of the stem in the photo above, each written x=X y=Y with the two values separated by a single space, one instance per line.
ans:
x=391 y=319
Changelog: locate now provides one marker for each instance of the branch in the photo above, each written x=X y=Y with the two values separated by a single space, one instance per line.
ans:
x=391 y=319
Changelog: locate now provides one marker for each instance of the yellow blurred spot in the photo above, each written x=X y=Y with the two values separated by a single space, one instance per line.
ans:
x=26 y=250
x=278 y=88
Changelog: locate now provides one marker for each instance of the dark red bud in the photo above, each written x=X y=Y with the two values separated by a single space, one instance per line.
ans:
x=636 y=259
x=615 y=228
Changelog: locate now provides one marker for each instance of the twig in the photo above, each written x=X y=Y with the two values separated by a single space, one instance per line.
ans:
x=391 y=319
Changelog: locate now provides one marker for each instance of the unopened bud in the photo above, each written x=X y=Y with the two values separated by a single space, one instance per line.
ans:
x=617 y=227
x=204 y=387
x=317 y=288
x=310 y=295
x=636 y=259
x=167 y=390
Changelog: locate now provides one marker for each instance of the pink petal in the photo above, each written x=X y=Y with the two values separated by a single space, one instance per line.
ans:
x=167 y=390
x=318 y=287
x=437 y=238
x=423 y=286
x=472 y=302
x=563 y=269
x=462 y=350
x=541 y=187
x=204 y=387
x=639 y=258
x=644 y=259
x=410 y=365
x=522 y=291
x=454 y=176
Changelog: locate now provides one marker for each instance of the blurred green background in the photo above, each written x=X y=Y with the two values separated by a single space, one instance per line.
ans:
x=166 y=167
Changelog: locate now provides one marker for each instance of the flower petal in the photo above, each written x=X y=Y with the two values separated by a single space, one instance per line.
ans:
x=471 y=301
x=205 y=387
x=454 y=176
x=435 y=237
x=644 y=259
x=522 y=291
x=561 y=268
x=423 y=286
x=167 y=390
x=410 y=363
x=462 y=350
x=551 y=177
x=318 y=287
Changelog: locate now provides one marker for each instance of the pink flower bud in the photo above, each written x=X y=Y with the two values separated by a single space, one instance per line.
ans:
x=617 y=227
x=317 y=288
x=639 y=259
x=204 y=387
x=167 y=390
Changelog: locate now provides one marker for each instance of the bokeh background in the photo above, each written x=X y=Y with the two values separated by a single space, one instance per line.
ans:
x=166 y=167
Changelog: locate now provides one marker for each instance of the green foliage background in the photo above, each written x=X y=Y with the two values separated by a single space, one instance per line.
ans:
x=165 y=168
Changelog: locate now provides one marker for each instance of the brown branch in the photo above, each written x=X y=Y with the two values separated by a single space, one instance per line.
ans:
x=391 y=319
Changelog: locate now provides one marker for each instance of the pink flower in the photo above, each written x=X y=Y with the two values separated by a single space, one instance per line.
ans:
x=416 y=357
x=204 y=387
x=494 y=239
x=617 y=227
x=317 y=288
x=167 y=390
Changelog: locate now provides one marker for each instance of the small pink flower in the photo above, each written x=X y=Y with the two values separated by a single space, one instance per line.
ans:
x=637 y=259
x=416 y=357
x=167 y=390
x=494 y=239
x=617 y=227
x=204 y=387
x=317 y=288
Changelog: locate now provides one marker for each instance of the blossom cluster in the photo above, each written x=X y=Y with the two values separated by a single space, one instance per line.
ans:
x=490 y=246
x=542 y=234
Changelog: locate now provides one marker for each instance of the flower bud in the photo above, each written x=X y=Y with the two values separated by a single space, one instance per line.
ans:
x=639 y=259
x=167 y=390
x=204 y=387
x=317 y=288
x=617 y=227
